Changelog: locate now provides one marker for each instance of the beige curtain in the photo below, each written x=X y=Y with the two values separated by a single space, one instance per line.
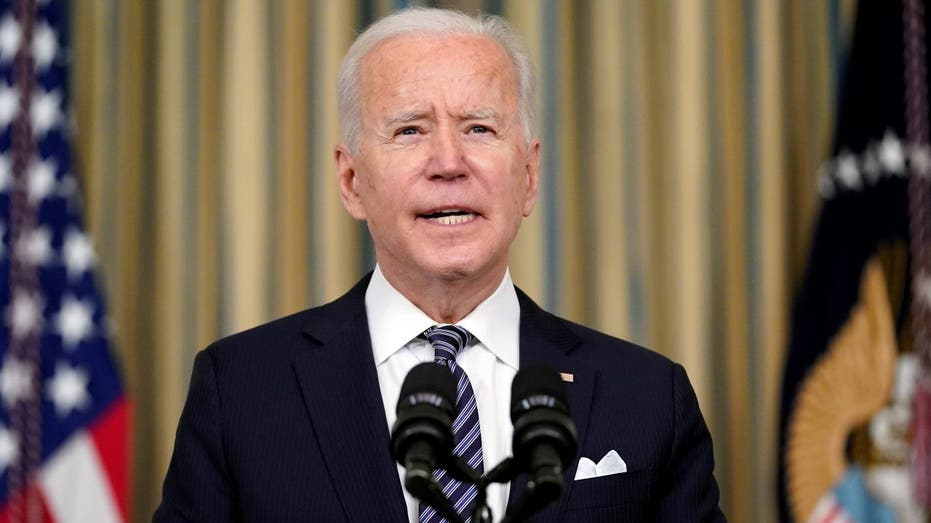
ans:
x=681 y=141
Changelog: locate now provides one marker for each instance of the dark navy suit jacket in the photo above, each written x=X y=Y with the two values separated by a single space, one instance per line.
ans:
x=284 y=422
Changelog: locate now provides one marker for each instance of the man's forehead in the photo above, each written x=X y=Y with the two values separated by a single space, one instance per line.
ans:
x=469 y=76
x=420 y=51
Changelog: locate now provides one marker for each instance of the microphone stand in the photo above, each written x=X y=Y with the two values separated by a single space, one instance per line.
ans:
x=537 y=495
x=458 y=469
x=502 y=473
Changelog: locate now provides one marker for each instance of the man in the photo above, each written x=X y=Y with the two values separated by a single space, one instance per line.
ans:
x=290 y=421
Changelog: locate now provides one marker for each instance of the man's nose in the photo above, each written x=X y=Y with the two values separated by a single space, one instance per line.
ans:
x=447 y=155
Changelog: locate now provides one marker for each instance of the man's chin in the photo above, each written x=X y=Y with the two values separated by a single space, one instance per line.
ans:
x=450 y=267
x=462 y=271
x=453 y=272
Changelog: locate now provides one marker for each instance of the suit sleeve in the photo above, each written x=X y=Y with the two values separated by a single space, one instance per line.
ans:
x=690 y=492
x=197 y=486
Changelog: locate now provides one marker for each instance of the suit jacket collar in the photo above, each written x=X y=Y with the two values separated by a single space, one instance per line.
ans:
x=547 y=340
x=339 y=384
x=340 y=389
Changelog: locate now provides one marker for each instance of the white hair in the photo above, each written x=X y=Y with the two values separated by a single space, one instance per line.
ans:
x=431 y=21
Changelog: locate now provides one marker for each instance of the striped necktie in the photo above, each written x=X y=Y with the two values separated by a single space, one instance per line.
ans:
x=448 y=341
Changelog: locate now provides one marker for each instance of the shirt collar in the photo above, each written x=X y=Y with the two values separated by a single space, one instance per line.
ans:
x=394 y=320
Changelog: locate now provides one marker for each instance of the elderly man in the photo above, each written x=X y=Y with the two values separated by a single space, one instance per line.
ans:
x=290 y=421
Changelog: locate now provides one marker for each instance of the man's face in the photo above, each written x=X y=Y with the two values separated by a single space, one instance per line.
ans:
x=442 y=171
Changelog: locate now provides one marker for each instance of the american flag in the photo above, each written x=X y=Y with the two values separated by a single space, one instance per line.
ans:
x=63 y=412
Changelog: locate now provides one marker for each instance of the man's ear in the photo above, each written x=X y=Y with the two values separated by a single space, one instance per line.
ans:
x=532 y=171
x=348 y=182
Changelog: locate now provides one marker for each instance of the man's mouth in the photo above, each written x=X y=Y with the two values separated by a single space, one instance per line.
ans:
x=450 y=216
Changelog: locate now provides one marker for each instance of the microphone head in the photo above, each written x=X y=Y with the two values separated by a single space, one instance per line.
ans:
x=537 y=386
x=540 y=414
x=429 y=383
x=426 y=408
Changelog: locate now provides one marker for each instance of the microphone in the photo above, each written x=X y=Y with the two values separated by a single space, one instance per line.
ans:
x=422 y=436
x=545 y=439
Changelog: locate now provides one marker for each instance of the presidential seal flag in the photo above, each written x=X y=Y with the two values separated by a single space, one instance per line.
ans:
x=858 y=348
x=63 y=411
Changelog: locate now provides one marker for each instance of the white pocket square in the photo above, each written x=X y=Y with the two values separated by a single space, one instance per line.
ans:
x=611 y=463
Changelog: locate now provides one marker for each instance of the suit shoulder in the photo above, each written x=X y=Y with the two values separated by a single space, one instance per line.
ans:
x=265 y=340
x=610 y=348
x=592 y=344
x=279 y=337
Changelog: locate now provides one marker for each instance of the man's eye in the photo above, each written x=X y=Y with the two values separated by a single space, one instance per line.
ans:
x=479 y=129
x=408 y=131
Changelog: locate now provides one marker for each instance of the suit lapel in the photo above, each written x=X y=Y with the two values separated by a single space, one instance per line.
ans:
x=339 y=385
x=546 y=340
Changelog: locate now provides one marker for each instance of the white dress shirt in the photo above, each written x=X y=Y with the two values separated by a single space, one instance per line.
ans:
x=491 y=363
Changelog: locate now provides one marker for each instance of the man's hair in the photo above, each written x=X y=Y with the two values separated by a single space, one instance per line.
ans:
x=430 y=21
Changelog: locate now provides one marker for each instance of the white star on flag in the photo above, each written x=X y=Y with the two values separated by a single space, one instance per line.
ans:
x=68 y=389
x=847 y=170
x=891 y=155
x=15 y=380
x=78 y=251
x=44 y=46
x=74 y=321
x=9 y=38
x=9 y=448
x=24 y=314
x=46 y=111
x=9 y=104
x=35 y=246
x=41 y=180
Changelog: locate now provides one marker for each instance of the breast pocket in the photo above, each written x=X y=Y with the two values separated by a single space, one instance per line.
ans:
x=618 y=497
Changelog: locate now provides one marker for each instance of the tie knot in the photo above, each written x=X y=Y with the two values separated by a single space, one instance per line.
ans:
x=447 y=341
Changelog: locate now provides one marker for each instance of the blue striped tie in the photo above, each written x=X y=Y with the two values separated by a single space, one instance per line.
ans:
x=448 y=341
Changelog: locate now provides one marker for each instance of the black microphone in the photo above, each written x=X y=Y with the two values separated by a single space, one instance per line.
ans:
x=422 y=436
x=545 y=440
